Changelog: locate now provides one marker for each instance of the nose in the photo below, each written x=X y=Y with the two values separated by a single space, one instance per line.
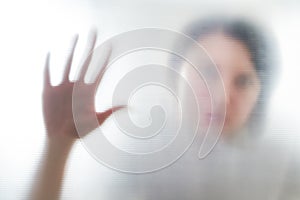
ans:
x=223 y=95
x=228 y=96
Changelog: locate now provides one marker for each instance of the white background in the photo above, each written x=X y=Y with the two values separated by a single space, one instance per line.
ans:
x=29 y=29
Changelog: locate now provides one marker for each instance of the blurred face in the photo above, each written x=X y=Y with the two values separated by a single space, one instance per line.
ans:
x=240 y=80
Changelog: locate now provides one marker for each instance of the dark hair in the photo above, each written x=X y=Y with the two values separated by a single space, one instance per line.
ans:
x=261 y=47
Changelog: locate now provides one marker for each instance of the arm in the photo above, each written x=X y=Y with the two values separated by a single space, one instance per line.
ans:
x=49 y=179
x=60 y=126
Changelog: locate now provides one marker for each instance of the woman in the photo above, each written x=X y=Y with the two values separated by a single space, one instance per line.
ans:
x=243 y=58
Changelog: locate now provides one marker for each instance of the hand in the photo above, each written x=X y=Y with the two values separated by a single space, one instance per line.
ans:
x=57 y=100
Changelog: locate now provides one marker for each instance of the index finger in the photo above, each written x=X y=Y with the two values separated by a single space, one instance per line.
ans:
x=90 y=47
x=100 y=74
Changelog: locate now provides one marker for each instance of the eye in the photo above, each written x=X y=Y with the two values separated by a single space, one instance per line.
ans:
x=244 y=81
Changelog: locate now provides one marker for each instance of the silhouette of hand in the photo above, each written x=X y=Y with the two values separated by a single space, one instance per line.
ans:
x=57 y=100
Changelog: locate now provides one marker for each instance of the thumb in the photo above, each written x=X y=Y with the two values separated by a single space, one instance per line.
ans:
x=102 y=116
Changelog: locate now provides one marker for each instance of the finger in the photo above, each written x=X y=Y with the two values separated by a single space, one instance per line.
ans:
x=47 y=81
x=102 y=116
x=70 y=59
x=90 y=46
x=103 y=69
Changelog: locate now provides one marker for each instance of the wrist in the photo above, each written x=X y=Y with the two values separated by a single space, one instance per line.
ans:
x=60 y=145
